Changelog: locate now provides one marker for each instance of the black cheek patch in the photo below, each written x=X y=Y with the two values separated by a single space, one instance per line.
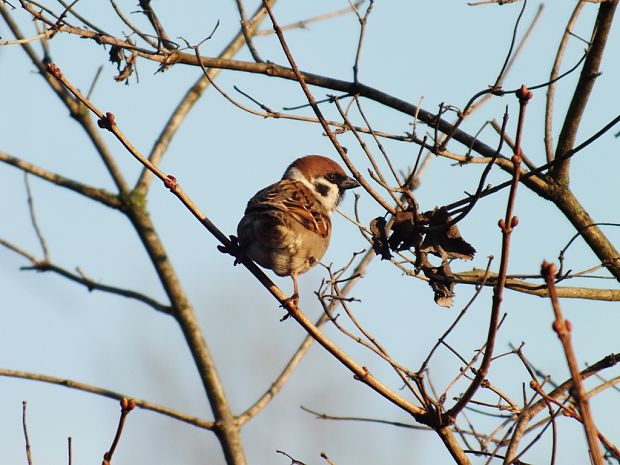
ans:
x=322 y=189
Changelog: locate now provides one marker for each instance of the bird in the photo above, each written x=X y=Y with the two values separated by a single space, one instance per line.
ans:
x=286 y=226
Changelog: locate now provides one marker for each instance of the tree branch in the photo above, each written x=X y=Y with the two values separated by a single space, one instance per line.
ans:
x=71 y=384
x=99 y=195
x=555 y=70
x=563 y=328
x=589 y=73
x=530 y=412
x=192 y=95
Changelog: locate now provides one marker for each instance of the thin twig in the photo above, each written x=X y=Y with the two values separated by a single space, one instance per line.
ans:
x=162 y=36
x=514 y=56
x=549 y=150
x=192 y=95
x=482 y=182
x=94 y=83
x=93 y=193
x=25 y=40
x=363 y=20
x=563 y=329
x=131 y=26
x=581 y=96
x=552 y=413
x=95 y=286
x=377 y=141
x=33 y=219
x=127 y=405
x=506 y=225
x=26 y=438
x=81 y=18
x=500 y=76
x=530 y=412
x=364 y=147
x=303 y=24
x=330 y=134
x=143 y=404
x=247 y=34
x=324 y=416
x=108 y=122
x=424 y=365
x=293 y=461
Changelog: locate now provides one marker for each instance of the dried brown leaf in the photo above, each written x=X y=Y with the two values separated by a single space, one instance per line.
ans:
x=405 y=233
x=441 y=281
x=379 y=238
x=443 y=239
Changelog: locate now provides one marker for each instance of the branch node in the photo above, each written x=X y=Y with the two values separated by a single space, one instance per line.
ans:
x=170 y=182
x=524 y=95
x=54 y=70
x=107 y=121
x=548 y=270
x=363 y=376
x=127 y=405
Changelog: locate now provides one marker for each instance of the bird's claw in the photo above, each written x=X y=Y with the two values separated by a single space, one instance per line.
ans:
x=233 y=248
x=290 y=301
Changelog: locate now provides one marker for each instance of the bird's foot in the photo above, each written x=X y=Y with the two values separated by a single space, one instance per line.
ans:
x=233 y=248
x=294 y=300
x=291 y=301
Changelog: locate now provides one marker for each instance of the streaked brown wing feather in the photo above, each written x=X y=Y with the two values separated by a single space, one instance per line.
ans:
x=295 y=199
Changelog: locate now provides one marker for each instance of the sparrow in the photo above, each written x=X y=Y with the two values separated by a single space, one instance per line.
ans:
x=287 y=225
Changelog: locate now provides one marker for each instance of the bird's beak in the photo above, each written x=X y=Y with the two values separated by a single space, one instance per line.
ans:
x=349 y=183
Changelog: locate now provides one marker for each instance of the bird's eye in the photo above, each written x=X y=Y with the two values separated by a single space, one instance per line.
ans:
x=331 y=177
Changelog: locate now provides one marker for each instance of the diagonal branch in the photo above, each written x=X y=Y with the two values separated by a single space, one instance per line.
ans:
x=162 y=36
x=530 y=412
x=555 y=70
x=69 y=383
x=589 y=73
x=506 y=225
x=95 y=286
x=279 y=382
x=476 y=276
x=227 y=426
x=93 y=193
x=192 y=95
x=76 y=110
x=317 y=111
x=563 y=328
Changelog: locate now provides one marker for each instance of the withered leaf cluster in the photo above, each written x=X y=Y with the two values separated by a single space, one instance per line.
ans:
x=431 y=232
x=117 y=56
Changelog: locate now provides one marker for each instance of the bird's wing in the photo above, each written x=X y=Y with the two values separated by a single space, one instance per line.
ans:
x=294 y=199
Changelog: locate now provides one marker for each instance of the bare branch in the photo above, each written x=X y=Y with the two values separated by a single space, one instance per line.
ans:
x=25 y=429
x=33 y=219
x=530 y=412
x=279 y=382
x=71 y=384
x=554 y=73
x=506 y=225
x=127 y=405
x=247 y=34
x=303 y=24
x=94 y=286
x=72 y=105
x=190 y=98
x=162 y=36
x=589 y=73
x=93 y=193
x=563 y=330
